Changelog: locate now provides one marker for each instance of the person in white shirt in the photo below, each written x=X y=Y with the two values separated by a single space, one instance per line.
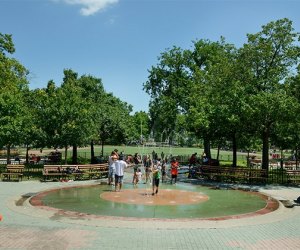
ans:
x=111 y=169
x=120 y=165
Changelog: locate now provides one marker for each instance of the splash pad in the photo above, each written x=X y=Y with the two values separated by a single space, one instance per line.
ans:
x=182 y=201
x=163 y=198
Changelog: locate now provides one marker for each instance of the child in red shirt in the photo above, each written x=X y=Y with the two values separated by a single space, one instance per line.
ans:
x=174 y=170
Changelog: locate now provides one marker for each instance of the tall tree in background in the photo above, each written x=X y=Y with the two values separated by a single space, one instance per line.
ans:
x=226 y=96
x=292 y=129
x=47 y=107
x=270 y=55
x=13 y=82
x=140 y=128
x=76 y=126
x=33 y=134
x=168 y=87
x=113 y=118
x=210 y=64
x=94 y=94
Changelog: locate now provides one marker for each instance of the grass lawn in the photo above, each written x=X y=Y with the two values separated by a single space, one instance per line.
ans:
x=225 y=156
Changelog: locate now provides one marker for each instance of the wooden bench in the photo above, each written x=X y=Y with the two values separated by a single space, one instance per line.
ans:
x=13 y=172
x=290 y=165
x=293 y=176
x=97 y=170
x=274 y=164
x=91 y=171
x=258 y=175
x=54 y=172
x=210 y=172
x=223 y=173
x=255 y=162
x=77 y=172
x=233 y=174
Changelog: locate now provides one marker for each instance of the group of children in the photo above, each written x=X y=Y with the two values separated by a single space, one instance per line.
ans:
x=154 y=171
x=158 y=170
x=150 y=167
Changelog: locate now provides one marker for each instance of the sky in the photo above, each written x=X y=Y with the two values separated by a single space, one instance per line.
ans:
x=120 y=40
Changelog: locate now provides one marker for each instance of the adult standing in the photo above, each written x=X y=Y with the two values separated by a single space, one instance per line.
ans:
x=111 y=166
x=192 y=163
x=162 y=155
x=119 y=174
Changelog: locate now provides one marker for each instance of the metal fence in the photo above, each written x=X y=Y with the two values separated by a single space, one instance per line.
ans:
x=277 y=172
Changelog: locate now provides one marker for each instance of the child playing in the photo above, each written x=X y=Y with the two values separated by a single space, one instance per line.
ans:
x=163 y=171
x=137 y=176
x=174 y=170
x=155 y=181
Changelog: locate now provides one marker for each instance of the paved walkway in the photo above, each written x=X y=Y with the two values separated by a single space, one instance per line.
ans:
x=27 y=227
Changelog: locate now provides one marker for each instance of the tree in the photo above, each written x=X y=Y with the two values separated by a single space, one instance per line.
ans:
x=33 y=133
x=168 y=87
x=291 y=129
x=112 y=120
x=210 y=105
x=47 y=107
x=75 y=116
x=94 y=94
x=13 y=82
x=140 y=126
x=269 y=57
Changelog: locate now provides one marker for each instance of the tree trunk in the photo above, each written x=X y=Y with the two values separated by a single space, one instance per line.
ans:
x=296 y=157
x=234 y=149
x=92 y=152
x=206 y=144
x=27 y=154
x=218 y=152
x=248 y=158
x=8 y=154
x=74 y=157
x=265 y=151
x=102 y=148
x=66 y=154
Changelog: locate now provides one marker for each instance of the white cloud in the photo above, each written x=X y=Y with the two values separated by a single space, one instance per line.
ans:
x=91 y=7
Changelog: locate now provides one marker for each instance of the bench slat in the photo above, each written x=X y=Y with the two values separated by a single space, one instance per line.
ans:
x=89 y=171
x=13 y=172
